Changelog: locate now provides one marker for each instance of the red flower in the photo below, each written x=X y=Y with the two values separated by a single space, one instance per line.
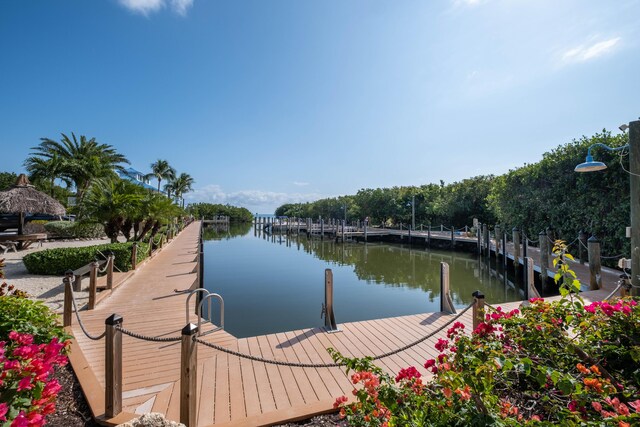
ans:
x=429 y=363
x=441 y=344
x=407 y=374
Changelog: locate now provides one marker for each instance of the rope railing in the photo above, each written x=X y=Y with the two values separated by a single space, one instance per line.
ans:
x=332 y=365
x=106 y=257
x=613 y=257
x=75 y=309
x=147 y=337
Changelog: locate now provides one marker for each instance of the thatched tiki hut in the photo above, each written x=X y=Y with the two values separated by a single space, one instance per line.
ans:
x=23 y=198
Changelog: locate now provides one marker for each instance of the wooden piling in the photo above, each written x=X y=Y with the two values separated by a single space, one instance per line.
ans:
x=113 y=366
x=189 y=376
x=595 y=268
x=68 y=302
x=582 y=244
x=478 y=309
x=531 y=291
x=485 y=237
x=134 y=255
x=93 y=285
x=504 y=250
x=453 y=239
x=551 y=239
x=498 y=235
x=110 y=264
x=516 y=248
x=544 y=258
x=446 y=304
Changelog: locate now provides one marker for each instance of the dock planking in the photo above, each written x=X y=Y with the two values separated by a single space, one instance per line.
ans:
x=233 y=391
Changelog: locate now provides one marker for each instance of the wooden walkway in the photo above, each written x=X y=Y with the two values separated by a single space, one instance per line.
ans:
x=233 y=391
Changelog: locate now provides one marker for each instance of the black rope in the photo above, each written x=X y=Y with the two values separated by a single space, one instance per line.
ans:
x=75 y=309
x=147 y=338
x=330 y=365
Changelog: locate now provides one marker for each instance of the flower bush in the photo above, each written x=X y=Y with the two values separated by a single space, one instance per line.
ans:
x=550 y=363
x=27 y=392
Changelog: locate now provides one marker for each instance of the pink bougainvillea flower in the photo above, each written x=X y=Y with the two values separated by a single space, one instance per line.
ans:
x=635 y=405
x=407 y=374
x=339 y=401
x=25 y=384
x=3 y=411
x=441 y=344
x=20 y=421
x=429 y=363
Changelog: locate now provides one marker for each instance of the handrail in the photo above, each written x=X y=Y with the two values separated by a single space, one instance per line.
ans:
x=193 y=292
x=208 y=299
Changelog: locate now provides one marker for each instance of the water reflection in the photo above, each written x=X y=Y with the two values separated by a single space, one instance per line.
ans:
x=274 y=283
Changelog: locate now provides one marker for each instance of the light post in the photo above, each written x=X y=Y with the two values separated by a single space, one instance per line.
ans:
x=634 y=171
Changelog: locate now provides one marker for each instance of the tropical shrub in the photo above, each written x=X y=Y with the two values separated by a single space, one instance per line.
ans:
x=555 y=363
x=57 y=261
x=30 y=317
x=27 y=393
x=75 y=230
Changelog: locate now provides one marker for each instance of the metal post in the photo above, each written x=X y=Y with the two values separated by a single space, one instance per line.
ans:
x=595 y=274
x=478 y=309
x=327 y=308
x=68 y=302
x=446 y=303
x=189 y=376
x=113 y=366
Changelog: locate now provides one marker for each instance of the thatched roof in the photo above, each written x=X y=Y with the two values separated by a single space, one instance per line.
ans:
x=23 y=197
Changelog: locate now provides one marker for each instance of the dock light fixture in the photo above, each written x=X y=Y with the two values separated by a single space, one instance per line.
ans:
x=633 y=149
x=591 y=166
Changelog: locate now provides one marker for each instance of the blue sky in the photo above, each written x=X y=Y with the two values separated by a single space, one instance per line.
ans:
x=266 y=102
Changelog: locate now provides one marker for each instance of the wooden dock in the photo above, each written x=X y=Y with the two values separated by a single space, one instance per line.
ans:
x=233 y=391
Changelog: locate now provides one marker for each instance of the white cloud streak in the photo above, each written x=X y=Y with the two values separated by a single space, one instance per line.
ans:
x=145 y=7
x=300 y=184
x=586 y=52
x=250 y=199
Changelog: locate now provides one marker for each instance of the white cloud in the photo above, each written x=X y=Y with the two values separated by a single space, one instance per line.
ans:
x=148 y=6
x=467 y=2
x=250 y=199
x=300 y=184
x=590 y=51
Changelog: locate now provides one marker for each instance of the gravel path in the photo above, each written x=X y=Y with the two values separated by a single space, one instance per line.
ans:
x=46 y=288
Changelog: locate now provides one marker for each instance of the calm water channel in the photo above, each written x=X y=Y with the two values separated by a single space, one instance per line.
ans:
x=276 y=283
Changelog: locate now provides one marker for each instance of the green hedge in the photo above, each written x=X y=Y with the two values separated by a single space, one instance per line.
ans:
x=75 y=230
x=57 y=261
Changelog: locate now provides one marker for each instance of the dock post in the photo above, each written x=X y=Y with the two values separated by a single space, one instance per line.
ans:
x=110 y=261
x=446 y=303
x=478 y=309
x=504 y=250
x=525 y=245
x=516 y=248
x=582 y=244
x=327 y=308
x=485 y=236
x=134 y=255
x=189 y=376
x=550 y=236
x=93 y=285
x=113 y=366
x=530 y=289
x=68 y=302
x=429 y=236
x=595 y=268
x=453 y=238
x=497 y=231
x=365 y=231
x=479 y=236
x=321 y=228
x=544 y=259
x=344 y=225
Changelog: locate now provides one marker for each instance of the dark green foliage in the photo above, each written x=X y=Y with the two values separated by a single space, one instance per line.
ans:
x=28 y=316
x=210 y=210
x=75 y=230
x=536 y=196
x=57 y=261
x=7 y=179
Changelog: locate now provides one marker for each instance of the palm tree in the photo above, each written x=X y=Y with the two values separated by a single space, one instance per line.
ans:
x=46 y=170
x=180 y=185
x=82 y=161
x=111 y=202
x=161 y=170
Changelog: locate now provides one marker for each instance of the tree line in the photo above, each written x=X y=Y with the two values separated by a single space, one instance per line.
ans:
x=212 y=210
x=533 y=197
